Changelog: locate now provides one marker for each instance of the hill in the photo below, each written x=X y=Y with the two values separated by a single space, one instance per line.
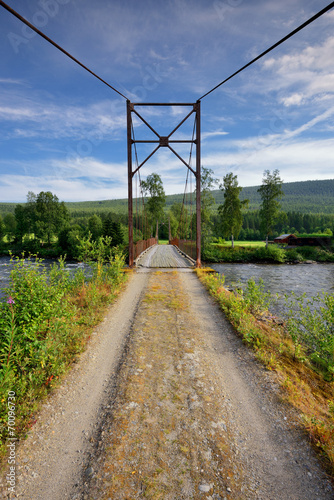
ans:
x=305 y=197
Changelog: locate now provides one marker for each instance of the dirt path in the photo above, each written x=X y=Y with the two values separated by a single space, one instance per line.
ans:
x=193 y=416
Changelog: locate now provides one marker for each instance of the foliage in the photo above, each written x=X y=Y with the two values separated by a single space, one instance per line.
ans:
x=156 y=202
x=112 y=229
x=230 y=210
x=270 y=192
x=10 y=226
x=43 y=325
x=221 y=253
x=2 y=228
x=182 y=221
x=49 y=215
x=207 y=203
x=68 y=240
x=311 y=324
x=95 y=226
x=255 y=298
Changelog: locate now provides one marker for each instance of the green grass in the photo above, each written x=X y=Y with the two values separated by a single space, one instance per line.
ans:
x=250 y=244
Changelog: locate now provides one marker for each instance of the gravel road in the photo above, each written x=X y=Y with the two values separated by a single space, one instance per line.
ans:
x=231 y=397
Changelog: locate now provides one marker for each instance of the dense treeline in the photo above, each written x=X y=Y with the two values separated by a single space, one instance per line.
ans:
x=50 y=227
x=45 y=226
x=295 y=222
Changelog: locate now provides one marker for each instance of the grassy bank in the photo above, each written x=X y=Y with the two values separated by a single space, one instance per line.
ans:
x=305 y=375
x=273 y=254
x=45 y=322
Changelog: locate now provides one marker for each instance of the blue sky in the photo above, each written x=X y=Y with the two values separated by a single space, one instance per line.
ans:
x=61 y=130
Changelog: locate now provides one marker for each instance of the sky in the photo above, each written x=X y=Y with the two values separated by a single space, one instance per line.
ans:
x=64 y=131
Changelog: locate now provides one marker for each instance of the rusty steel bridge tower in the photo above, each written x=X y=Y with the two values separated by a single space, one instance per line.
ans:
x=165 y=142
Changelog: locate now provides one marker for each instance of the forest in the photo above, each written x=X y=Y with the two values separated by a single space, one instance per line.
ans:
x=45 y=225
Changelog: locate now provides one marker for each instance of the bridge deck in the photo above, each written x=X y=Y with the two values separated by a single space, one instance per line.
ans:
x=163 y=256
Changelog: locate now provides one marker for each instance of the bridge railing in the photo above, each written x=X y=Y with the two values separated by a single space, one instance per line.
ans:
x=187 y=246
x=142 y=245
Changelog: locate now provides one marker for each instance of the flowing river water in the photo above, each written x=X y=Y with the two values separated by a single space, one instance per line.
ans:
x=281 y=279
x=6 y=266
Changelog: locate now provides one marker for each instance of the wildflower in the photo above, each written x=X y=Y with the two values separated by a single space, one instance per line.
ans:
x=10 y=300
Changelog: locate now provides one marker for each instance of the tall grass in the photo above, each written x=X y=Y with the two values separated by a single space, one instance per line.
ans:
x=45 y=321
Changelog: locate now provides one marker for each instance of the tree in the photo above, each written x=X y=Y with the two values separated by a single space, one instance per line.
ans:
x=10 y=226
x=21 y=222
x=2 y=228
x=208 y=182
x=179 y=218
x=270 y=192
x=156 y=202
x=95 y=226
x=112 y=229
x=230 y=210
x=50 y=215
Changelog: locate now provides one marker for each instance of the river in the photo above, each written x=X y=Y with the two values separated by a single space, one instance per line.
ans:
x=278 y=278
x=6 y=267
x=281 y=279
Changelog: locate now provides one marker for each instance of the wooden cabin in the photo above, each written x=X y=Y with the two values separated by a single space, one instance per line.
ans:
x=311 y=241
x=285 y=239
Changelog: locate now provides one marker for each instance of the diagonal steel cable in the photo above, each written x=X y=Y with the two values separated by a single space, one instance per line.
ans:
x=309 y=21
x=25 y=21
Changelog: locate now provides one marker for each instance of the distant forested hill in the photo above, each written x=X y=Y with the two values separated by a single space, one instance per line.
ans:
x=305 y=197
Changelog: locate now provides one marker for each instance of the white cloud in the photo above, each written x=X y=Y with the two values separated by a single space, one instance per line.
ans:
x=292 y=100
x=311 y=70
x=43 y=118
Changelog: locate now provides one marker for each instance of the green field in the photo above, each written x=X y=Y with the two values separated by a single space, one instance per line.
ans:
x=245 y=244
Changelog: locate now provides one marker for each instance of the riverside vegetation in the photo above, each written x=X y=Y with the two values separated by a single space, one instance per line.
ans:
x=300 y=350
x=46 y=321
x=220 y=252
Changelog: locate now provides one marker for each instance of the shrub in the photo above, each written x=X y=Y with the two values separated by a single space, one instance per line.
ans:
x=44 y=322
x=311 y=324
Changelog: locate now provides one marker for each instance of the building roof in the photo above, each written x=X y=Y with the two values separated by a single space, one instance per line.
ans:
x=285 y=236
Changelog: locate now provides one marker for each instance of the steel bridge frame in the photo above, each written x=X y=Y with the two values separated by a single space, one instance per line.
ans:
x=165 y=141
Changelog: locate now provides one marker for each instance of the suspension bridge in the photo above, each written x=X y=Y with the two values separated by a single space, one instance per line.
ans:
x=164 y=256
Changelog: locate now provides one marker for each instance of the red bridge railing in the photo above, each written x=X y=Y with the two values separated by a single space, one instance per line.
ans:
x=142 y=245
x=187 y=246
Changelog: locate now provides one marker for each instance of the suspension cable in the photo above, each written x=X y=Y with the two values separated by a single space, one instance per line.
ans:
x=184 y=201
x=323 y=11
x=16 y=14
x=143 y=223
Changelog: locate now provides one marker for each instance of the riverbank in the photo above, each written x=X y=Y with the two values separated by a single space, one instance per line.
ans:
x=282 y=352
x=272 y=254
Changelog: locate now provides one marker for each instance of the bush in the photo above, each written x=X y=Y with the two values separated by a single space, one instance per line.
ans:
x=293 y=255
x=311 y=324
x=43 y=325
x=271 y=254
